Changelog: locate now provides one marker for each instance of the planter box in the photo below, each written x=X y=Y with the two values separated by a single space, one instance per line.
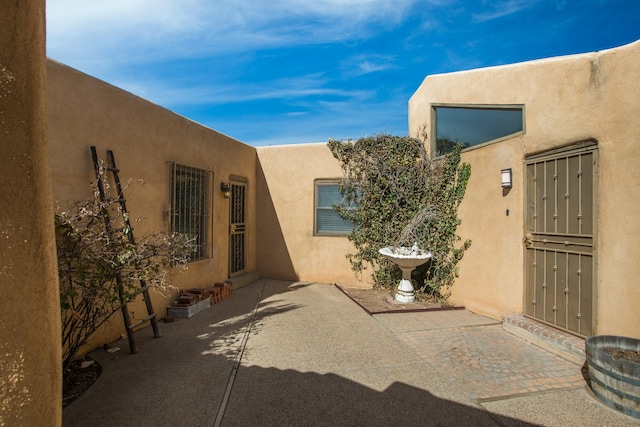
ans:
x=186 y=312
x=616 y=382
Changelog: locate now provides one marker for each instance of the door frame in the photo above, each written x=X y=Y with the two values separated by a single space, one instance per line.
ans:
x=235 y=180
x=576 y=147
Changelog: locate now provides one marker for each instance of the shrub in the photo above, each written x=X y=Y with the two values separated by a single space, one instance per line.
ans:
x=100 y=271
x=402 y=195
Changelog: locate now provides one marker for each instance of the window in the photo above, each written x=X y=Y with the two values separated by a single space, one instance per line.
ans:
x=327 y=220
x=475 y=125
x=189 y=209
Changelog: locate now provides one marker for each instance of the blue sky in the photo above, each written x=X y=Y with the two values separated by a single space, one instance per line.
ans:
x=271 y=72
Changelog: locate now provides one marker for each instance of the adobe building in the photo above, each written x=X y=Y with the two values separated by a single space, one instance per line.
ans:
x=550 y=206
x=176 y=168
x=30 y=356
x=559 y=244
x=556 y=243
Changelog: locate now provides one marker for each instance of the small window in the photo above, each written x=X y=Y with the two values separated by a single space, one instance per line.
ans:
x=327 y=220
x=475 y=125
x=189 y=210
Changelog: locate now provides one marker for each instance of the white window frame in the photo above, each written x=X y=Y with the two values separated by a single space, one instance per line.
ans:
x=316 y=232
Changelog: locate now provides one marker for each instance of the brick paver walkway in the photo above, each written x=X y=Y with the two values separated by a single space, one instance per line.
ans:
x=489 y=363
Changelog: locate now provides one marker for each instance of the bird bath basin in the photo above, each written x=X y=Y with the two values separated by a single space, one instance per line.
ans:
x=407 y=259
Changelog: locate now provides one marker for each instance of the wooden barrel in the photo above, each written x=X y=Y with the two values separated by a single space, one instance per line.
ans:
x=615 y=381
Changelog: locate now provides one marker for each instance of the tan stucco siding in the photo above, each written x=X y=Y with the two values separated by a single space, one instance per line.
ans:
x=287 y=247
x=144 y=137
x=566 y=100
x=488 y=281
x=30 y=355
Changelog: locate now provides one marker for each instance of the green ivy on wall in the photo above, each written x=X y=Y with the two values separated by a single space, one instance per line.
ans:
x=396 y=185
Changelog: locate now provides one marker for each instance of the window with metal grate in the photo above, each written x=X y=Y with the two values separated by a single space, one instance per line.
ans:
x=189 y=211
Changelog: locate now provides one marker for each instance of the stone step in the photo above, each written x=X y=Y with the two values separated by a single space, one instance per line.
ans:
x=556 y=341
x=243 y=279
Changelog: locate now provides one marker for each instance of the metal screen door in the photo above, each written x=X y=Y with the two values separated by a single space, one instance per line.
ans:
x=237 y=228
x=559 y=254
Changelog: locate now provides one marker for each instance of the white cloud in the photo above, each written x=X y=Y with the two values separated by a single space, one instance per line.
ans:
x=294 y=89
x=129 y=42
x=116 y=40
x=340 y=121
x=503 y=8
x=113 y=29
x=362 y=64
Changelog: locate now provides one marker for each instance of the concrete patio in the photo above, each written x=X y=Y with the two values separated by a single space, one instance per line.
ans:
x=279 y=353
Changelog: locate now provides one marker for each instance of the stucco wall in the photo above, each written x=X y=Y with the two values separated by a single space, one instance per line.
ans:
x=567 y=99
x=144 y=137
x=287 y=247
x=30 y=358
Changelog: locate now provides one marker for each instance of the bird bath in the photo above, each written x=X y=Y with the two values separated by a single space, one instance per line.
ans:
x=407 y=259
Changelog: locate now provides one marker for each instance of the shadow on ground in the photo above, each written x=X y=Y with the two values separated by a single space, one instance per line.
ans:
x=273 y=397
x=183 y=377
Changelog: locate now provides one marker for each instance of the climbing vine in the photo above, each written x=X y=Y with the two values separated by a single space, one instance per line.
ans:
x=402 y=195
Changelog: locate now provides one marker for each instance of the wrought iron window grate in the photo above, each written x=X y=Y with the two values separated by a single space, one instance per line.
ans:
x=189 y=211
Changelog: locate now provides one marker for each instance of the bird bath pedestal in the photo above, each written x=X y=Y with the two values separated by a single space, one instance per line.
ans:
x=407 y=259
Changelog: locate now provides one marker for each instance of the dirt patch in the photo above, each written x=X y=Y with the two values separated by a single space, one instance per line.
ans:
x=629 y=355
x=78 y=378
x=381 y=301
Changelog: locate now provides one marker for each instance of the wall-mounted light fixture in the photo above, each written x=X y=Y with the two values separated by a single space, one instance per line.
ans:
x=506 y=178
x=226 y=190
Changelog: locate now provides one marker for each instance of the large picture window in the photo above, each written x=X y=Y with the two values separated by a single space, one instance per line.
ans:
x=475 y=125
x=327 y=220
x=189 y=210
